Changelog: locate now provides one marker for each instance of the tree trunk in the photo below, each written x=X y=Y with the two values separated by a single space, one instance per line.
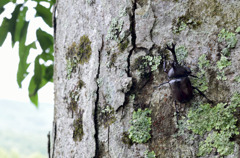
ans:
x=109 y=55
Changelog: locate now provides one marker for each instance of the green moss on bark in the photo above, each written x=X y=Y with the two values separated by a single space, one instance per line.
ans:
x=139 y=131
x=217 y=123
x=78 y=54
x=74 y=96
x=184 y=22
x=201 y=82
x=78 y=128
x=123 y=45
x=126 y=140
x=106 y=116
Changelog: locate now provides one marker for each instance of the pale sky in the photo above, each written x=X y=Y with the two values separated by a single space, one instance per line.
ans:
x=9 y=63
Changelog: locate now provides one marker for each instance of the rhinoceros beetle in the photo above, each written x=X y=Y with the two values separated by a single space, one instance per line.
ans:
x=180 y=84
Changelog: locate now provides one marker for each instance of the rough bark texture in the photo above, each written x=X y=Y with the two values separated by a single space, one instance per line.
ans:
x=96 y=94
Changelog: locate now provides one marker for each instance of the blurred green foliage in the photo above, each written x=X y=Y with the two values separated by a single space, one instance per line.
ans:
x=15 y=154
x=18 y=27
x=25 y=129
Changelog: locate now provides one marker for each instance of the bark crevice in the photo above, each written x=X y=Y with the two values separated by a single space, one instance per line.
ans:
x=133 y=42
x=133 y=34
x=49 y=145
x=54 y=137
x=108 y=136
x=96 y=103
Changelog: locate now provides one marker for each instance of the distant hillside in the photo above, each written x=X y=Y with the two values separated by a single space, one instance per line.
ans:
x=24 y=127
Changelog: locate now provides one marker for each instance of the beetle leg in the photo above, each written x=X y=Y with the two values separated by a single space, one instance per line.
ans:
x=161 y=84
x=201 y=93
x=194 y=76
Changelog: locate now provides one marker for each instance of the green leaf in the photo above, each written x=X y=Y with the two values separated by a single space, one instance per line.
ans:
x=8 y=25
x=21 y=26
x=48 y=1
x=37 y=72
x=47 y=56
x=37 y=81
x=17 y=25
x=13 y=22
x=33 y=96
x=3 y=2
x=23 y=65
x=45 y=14
x=4 y=30
x=49 y=73
x=42 y=73
x=1 y=10
x=45 y=40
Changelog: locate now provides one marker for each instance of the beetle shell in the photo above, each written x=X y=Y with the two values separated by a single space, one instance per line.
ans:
x=182 y=90
x=179 y=71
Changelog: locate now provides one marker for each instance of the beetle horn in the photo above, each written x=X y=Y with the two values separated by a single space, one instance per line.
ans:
x=173 y=52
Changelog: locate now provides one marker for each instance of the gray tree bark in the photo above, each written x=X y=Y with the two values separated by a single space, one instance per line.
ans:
x=101 y=76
